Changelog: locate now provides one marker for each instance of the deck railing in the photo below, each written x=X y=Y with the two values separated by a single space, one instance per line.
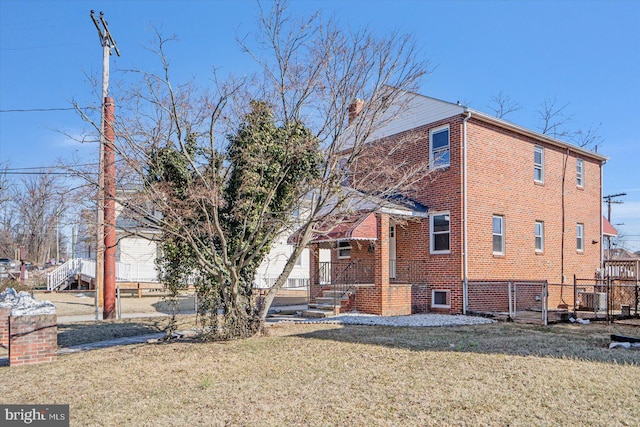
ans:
x=125 y=272
x=61 y=274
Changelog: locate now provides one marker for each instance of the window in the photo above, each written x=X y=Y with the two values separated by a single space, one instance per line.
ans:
x=498 y=234
x=580 y=237
x=538 y=164
x=299 y=260
x=344 y=249
x=440 y=232
x=440 y=298
x=539 y=236
x=580 y=172
x=439 y=147
x=343 y=169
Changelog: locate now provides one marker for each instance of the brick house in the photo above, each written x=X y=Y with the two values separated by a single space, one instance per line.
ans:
x=507 y=203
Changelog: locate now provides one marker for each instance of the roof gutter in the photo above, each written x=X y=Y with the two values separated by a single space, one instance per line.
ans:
x=533 y=134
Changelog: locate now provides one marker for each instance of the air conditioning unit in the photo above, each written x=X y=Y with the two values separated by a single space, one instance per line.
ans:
x=593 y=301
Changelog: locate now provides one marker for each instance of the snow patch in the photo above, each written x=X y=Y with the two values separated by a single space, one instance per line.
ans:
x=22 y=303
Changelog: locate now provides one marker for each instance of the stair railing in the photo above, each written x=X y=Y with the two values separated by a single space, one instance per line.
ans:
x=342 y=276
x=61 y=274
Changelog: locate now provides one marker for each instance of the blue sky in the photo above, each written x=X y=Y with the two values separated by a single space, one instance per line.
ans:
x=585 y=54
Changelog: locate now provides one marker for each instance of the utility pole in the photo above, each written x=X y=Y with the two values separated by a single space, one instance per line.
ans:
x=608 y=200
x=108 y=44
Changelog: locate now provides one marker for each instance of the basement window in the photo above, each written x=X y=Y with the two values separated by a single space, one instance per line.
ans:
x=440 y=298
x=344 y=249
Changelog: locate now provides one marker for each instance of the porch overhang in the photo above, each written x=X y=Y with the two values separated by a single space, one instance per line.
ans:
x=354 y=227
x=608 y=230
x=360 y=222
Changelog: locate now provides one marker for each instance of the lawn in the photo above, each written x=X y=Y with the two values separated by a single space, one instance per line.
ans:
x=499 y=374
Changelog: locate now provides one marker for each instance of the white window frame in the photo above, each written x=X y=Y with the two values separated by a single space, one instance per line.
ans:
x=448 y=298
x=538 y=166
x=433 y=233
x=346 y=248
x=501 y=233
x=539 y=236
x=580 y=173
x=433 y=156
x=580 y=237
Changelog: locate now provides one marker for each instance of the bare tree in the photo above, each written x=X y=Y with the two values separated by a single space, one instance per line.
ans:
x=40 y=205
x=7 y=216
x=554 y=119
x=221 y=171
x=502 y=105
x=588 y=138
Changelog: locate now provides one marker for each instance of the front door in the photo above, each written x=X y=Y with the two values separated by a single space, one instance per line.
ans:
x=392 y=251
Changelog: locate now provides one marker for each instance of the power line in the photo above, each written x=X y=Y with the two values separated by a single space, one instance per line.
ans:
x=37 y=110
x=39 y=173
x=46 y=167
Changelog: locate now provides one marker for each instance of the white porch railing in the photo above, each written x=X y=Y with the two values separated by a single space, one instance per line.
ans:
x=292 y=283
x=125 y=272
x=57 y=277
x=136 y=272
x=88 y=268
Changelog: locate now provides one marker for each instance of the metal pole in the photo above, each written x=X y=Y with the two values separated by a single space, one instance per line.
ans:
x=509 y=296
x=575 y=296
x=545 y=304
x=119 y=312
x=57 y=237
x=515 y=301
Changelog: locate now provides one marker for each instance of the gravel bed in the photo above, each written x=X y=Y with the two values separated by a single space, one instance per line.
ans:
x=419 y=320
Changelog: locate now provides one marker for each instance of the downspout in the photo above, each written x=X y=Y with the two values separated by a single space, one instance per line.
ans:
x=601 y=217
x=465 y=239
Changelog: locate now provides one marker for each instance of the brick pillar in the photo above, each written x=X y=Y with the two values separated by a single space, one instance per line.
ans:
x=314 y=271
x=32 y=339
x=4 y=326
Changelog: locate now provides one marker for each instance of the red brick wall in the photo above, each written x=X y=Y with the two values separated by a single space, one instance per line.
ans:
x=4 y=326
x=500 y=182
x=440 y=191
x=369 y=300
x=396 y=300
x=32 y=339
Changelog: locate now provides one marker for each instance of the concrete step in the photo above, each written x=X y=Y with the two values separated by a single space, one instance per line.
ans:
x=330 y=300
x=334 y=294
x=326 y=307
x=315 y=313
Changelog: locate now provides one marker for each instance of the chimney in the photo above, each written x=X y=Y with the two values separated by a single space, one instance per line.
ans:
x=355 y=108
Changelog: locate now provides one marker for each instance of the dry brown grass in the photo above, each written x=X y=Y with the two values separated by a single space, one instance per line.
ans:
x=83 y=304
x=70 y=334
x=500 y=374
